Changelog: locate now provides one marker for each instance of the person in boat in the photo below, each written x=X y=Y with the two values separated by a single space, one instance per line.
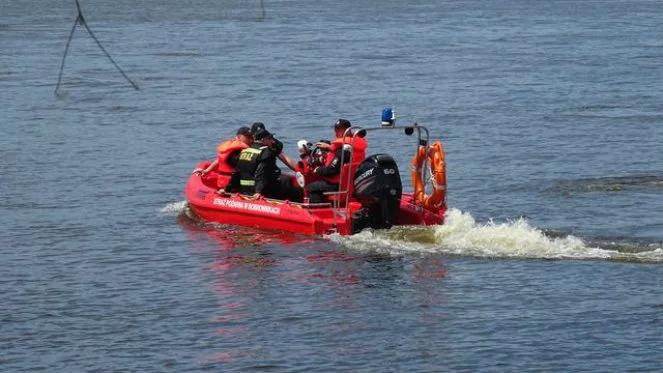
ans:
x=257 y=173
x=343 y=147
x=310 y=158
x=228 y=153
x=277 y=147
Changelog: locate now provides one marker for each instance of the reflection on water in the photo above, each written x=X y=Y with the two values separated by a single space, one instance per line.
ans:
x=273 y=285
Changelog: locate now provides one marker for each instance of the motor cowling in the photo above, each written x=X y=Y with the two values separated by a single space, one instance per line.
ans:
x=377 y=186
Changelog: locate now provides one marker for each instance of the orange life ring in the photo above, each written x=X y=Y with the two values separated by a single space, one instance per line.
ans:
x=438 y=175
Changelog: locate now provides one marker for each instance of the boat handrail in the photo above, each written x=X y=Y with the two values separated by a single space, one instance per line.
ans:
x=356 y=131
x=308 y=205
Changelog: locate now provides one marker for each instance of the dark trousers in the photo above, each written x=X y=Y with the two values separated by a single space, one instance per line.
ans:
x=284 y=188
x=317 y=189
x=289 y=190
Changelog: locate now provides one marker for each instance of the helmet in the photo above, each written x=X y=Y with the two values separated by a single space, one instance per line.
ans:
x=342 y=123
x=263 y=134
x=257 y=126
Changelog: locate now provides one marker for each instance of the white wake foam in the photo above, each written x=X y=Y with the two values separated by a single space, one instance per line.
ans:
x=174 y=209
x=462 y=235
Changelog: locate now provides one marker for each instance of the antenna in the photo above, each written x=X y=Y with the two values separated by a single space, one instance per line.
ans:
x=81 y=20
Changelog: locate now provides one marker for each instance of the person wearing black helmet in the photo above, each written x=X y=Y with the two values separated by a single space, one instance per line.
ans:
x=277 y=147
x=257 y=173
x=257 y=126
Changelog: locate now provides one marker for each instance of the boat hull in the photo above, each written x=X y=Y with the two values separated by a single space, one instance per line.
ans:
x=263 y=213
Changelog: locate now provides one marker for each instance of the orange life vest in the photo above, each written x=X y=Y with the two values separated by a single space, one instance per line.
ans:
x=358 y=154
x=224 y=150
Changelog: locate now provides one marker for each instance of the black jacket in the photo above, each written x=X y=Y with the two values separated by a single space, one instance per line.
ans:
x=334 y=167
x=257 y=171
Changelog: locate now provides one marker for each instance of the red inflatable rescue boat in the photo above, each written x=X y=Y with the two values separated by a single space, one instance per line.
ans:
x=369 y=196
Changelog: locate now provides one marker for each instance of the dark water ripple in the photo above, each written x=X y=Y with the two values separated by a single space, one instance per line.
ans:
x=651 y=183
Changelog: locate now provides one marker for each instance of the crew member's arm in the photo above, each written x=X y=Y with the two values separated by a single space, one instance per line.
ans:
x=277 y=147
x=277 y=150
x=323 y=144
x=288 y=162
x=334 y=166
x=233 y=158
x=212 y=166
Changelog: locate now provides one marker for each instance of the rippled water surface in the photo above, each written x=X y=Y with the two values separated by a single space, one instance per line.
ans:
x=550 y=260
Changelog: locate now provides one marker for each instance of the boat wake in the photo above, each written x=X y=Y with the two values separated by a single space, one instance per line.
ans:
x=462 y=235
x=175 y=208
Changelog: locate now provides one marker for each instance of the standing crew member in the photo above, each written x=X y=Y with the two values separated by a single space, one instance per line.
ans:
x=331 y=170
x=257 y=173
x=277 y=147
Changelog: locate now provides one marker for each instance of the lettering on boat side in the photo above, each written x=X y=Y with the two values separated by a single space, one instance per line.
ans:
x=246 y=206
x=201 y=193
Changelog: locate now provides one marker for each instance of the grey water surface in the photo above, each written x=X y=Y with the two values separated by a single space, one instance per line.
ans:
x=551 y=116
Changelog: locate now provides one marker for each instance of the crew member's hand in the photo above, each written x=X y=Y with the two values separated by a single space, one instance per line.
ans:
x=323 y=145
x=315 y=171
x=197 y=171
x=255 y=195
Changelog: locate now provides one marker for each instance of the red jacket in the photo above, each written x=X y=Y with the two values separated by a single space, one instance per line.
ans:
x=332 y=169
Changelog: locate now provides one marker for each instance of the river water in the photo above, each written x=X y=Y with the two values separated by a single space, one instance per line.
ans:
x=550 y=260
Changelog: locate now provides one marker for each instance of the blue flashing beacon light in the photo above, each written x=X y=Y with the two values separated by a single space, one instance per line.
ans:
x=388 y=117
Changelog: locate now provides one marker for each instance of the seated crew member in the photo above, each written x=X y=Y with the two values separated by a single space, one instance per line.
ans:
x=330 y=172
x=277 y=147
x=257 y=173
x=310 y=158
x=228 y=154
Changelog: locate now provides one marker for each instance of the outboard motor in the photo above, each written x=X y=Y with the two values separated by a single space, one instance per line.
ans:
x=378 y=188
